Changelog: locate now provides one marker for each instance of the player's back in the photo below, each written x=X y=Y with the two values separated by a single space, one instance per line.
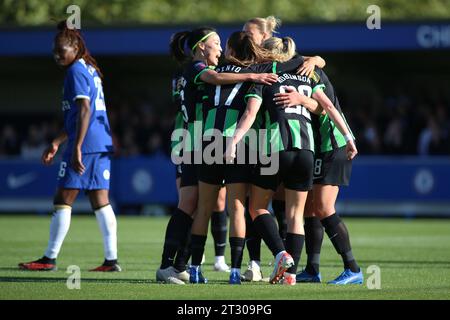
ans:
x=225 y=104
x=82 y=81
x=287 y=128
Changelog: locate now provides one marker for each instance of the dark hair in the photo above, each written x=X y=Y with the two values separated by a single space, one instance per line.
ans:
x=183 y=44
x=73 y=37
x=246 y=52
x=176 y=45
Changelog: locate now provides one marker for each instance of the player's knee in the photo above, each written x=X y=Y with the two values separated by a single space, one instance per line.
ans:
x=63 y=200
x=295 y=224
x=323 y=210
x=309 y=210
x=188 y=204
x=309 y=214
x=254 y=213
x=98 y=199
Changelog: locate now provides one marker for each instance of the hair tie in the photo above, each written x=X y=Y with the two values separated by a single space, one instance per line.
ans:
x=285 y=43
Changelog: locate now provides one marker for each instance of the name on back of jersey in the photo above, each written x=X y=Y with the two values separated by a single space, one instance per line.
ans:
x=287 y=76
x=229 y=68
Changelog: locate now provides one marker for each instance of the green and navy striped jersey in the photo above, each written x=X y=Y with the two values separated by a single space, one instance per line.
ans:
x=327 y=136
x=191 y=94
x=177 y=81
x=287 y=128
x=224 y=105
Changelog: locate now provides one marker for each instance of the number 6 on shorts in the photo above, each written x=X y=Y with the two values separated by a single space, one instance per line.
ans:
x=62 y=169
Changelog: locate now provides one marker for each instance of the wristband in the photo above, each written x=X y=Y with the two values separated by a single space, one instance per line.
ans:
x=348 y=137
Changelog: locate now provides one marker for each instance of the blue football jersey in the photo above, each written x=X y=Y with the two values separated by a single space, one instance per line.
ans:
x=83 y=82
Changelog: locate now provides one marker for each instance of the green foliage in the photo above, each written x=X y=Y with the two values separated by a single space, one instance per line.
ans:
x=117 y=12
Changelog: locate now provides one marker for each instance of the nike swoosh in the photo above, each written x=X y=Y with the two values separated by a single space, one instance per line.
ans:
x=16 y=182
x=333 y=236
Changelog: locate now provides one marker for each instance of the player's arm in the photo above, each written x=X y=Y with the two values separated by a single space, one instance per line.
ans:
x=52 y=149
x=310 y=63
x=245 y=123
x=84 y=115
x=336 y=117
x=222 y=78
x=293 y=98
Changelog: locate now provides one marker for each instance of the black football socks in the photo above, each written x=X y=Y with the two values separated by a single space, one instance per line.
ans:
x=197 y=248
x=313 y=244
x=338 y=234
x=183 y=253
x=252 y=239
x=176 y=230
x=219 y=231
x=279 y=210
x=294 y=246
x=267 y=228
x=237 y=247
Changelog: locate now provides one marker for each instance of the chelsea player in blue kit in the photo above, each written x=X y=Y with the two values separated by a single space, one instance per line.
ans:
x=87 y=158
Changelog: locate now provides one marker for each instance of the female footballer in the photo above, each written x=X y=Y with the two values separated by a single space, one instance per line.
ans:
x=261 y=29
x=291 y=140
x=222 y=108
x=87 y=159
x=202 y=49
x=332 y=169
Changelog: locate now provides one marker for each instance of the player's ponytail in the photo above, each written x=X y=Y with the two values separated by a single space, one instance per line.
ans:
x=272 y=25
x=183 y=44
x=267 y=25
x=177 y=46
x=245 y=52
x=284 y=47
x=73 y=37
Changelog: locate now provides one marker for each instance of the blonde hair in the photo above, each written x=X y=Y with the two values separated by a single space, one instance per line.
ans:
x=267 y=25
x=246 y=52
x=284 y=47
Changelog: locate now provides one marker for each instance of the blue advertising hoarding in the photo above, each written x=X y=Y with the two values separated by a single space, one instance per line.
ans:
x=308 y=37
x=401 y=185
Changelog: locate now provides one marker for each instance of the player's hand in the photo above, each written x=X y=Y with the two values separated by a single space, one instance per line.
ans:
x=307 y=68
x=77 y=163
x=230 y=153
x=290 y=98
x=351 y=150
x=49 y=154
x=265 y=78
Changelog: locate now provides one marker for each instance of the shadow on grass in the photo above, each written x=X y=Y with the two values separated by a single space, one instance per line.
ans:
x=408 y=263
x=63 y=279
x=9 y=269
x=89 y=280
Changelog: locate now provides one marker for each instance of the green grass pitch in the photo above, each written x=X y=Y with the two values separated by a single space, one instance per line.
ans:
x=413 y=256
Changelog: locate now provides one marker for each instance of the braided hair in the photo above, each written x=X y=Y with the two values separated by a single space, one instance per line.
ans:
x=73 y=37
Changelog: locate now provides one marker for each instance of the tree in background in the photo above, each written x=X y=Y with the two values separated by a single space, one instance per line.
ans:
x=117 y=12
